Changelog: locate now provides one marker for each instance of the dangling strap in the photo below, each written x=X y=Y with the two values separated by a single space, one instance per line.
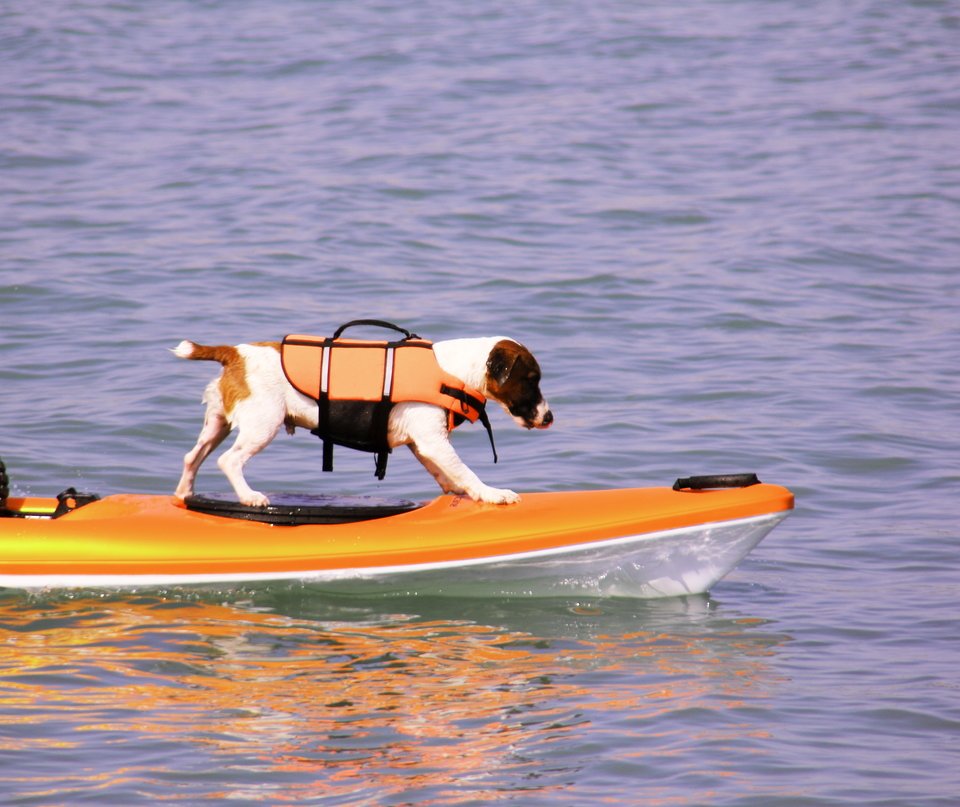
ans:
x=382 y=457
x=486 y=424
x=479 y=405
x=327 y=452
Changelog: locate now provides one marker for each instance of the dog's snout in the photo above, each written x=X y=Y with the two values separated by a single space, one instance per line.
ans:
x=548 y=418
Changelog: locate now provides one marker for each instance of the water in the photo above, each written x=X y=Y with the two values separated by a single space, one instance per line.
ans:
x=728 y=230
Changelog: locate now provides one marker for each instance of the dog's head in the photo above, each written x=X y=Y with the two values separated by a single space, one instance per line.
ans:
x=513 y=380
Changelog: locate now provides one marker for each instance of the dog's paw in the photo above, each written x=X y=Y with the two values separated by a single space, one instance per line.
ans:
x=254 y=499
x=497 y=496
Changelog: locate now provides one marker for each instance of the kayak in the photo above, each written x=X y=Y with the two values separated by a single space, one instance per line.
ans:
x=632 y=542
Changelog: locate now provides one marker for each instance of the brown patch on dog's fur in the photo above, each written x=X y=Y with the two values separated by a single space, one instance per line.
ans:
x=514 y=378
x=220 y=353
x=500 y=364
x=233 y=382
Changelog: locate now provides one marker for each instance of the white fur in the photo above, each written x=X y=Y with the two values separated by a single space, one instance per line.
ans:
x=272 y=401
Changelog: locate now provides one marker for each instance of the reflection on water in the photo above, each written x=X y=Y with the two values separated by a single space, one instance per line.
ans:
x=292 y=696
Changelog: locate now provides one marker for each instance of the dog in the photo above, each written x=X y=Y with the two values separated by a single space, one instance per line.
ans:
x=253 y=396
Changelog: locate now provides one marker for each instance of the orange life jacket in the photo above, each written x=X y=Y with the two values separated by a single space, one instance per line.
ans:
x=356 y=384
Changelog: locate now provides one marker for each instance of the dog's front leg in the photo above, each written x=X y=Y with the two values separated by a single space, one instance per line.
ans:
x=446 y=485
x=424 y=428
x=439 y=457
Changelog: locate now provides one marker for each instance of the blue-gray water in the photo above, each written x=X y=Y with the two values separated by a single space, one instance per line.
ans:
x=729 y=231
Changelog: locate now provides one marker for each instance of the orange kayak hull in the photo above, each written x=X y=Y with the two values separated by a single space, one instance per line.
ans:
x=631 y=542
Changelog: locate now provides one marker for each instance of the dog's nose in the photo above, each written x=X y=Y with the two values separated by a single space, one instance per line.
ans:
x=548 y=418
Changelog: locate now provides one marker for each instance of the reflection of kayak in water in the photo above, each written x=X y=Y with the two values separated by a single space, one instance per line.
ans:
x=639 y=542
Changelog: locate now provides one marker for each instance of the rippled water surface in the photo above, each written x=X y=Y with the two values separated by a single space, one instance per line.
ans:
x=729 y=232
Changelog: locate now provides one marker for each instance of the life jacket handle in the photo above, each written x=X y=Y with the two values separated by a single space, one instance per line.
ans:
x=377 y=323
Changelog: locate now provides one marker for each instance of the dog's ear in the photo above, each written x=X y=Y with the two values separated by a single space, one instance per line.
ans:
x=501 y=361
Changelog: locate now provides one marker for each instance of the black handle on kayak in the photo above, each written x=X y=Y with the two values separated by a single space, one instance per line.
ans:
x=70 y=499
x=716 y=481
x=4 y=483
x=377 y=323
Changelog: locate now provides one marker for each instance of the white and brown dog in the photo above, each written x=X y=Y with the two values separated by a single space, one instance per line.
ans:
x=253 y=396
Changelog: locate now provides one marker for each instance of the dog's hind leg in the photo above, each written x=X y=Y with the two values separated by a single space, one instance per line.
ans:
x=231 y=462
x=256 y=427
x=215 y=429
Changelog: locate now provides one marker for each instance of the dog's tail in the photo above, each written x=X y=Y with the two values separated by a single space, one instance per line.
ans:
x=191 y=350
